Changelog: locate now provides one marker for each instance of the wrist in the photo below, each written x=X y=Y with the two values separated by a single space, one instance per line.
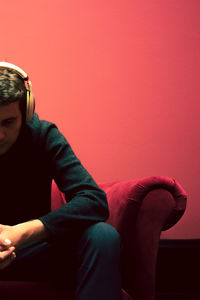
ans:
x=31 y=231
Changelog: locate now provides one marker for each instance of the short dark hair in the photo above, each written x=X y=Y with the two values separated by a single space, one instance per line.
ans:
x=12 y=87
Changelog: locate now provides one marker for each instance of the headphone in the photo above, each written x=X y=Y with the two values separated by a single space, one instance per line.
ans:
x=30 y=100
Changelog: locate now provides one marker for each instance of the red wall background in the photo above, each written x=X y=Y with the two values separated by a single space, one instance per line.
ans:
x=121 y=80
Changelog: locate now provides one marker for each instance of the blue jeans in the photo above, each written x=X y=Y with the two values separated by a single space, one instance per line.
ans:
x=90 y=264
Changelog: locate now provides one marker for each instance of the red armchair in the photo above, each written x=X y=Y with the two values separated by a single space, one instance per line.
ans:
x=139 y=209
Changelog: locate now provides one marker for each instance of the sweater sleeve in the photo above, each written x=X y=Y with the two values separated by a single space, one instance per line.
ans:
x=86 y=202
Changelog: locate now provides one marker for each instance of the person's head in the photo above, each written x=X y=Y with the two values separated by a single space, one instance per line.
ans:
x=13 y=95
x=12 y=89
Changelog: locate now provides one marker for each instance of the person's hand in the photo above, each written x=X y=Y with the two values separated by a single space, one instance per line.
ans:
x=12 y=234
x=7 y=252
x=12 y=237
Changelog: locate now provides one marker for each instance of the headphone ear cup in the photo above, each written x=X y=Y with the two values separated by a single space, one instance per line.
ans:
x=30 y=103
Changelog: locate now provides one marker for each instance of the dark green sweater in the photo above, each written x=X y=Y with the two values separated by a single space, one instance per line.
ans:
x=41 y=154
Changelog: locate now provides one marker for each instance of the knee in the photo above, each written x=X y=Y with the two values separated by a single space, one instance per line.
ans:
x=104 y=239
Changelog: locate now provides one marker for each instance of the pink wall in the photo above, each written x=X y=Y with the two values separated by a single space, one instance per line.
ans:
x=121 y=79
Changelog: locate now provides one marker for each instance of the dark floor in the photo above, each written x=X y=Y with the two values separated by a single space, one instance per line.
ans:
x=178 y=296
x=178 y=270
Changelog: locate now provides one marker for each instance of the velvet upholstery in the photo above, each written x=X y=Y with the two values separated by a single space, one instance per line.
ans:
x=139 y=209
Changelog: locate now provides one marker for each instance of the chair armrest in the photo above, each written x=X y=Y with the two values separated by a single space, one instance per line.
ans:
x=124 y=196
x=140 y=209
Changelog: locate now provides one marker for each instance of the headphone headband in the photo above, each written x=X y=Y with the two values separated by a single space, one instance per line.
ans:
x=15 y=68
x=30 y=100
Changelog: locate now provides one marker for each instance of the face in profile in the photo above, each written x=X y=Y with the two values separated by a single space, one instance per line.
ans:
x=10 y=125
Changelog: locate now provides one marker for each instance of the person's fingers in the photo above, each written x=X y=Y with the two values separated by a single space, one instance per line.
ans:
x=6 y=253
x=4 y=243
x=7 y=261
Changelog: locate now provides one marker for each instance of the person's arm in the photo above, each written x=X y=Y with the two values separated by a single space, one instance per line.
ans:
x=86 y=202
x=23 y=233
x=12 y=237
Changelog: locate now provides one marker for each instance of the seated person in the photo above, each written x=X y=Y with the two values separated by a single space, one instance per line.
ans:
x=35 y=243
